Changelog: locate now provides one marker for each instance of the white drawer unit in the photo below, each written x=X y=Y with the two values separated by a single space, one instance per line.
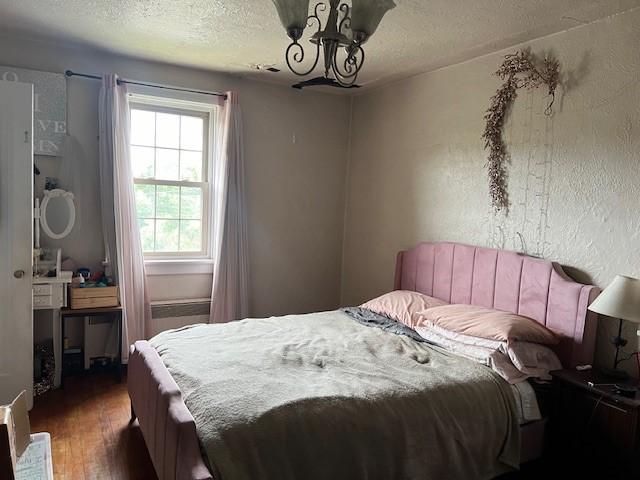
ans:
x=42 y=301
x=51 y=295
x=42 y=289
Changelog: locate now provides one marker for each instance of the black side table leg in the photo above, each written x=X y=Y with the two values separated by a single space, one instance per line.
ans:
x=119 y=359
x=62 y=324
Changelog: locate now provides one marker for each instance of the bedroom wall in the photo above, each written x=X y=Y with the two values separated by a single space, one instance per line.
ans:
x=295 y=175
x=417 y=164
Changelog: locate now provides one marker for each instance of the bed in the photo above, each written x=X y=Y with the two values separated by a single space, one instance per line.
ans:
x=455 y=273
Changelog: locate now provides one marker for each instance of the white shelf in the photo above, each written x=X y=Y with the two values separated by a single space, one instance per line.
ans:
x=64 y=277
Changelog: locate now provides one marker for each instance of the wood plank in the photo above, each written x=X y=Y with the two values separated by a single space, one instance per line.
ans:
x=93 y=292
x=93 y=302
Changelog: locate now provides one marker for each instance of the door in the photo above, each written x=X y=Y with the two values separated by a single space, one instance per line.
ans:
x=16 y=230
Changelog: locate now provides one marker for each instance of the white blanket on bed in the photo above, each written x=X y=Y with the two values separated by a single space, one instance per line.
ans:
x=321 y=396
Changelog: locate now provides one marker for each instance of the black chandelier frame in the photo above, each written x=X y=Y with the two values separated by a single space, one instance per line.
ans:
x=334 y=40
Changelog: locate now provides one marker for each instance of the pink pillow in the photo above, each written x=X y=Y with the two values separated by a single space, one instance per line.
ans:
x=402 y=305
x=487 y=323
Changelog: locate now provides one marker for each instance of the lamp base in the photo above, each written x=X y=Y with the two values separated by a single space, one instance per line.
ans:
x=615 y=373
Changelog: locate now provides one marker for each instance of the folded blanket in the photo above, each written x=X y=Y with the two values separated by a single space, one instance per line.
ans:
x=373 y=319
x=320 y=396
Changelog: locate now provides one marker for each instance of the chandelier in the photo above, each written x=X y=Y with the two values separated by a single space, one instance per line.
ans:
x=341 y=39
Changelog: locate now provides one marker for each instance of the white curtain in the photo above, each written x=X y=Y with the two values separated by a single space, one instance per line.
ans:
x=230 y=296
x=119 y=220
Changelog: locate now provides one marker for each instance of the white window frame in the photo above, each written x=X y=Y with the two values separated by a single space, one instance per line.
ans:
x=176 y=263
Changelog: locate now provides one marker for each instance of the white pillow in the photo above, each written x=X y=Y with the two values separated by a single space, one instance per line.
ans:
x=533 y=359
x=513 y=361
x=477 y=350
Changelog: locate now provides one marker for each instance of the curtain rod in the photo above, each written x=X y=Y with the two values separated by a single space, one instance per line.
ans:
x=70 y=73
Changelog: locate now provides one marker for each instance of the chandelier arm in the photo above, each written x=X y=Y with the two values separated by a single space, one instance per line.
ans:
x=352 y=61
x=352 y=66
x=346 y=19
x=342 y=81
x=320 y=7
x=298 y=55
x=341 y=78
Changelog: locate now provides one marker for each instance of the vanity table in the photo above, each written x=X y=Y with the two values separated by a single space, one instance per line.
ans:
x=50 y=293
x=56 y=217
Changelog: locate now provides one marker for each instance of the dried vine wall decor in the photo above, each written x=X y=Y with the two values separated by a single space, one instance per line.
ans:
x=519 y=70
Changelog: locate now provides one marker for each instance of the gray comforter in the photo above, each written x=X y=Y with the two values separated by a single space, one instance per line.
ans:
x=321 y=396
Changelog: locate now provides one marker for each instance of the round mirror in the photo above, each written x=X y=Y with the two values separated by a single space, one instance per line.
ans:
x=57 y=213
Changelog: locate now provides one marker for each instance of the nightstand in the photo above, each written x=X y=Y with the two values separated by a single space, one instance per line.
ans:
x=593 y=430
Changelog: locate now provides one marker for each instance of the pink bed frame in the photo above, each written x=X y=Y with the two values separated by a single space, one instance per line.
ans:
x=453 y=272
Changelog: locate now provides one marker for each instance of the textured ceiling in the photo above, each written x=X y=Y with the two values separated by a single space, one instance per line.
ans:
x=233 y=35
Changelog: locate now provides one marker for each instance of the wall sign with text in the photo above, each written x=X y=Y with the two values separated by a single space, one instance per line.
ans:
x=49 y=107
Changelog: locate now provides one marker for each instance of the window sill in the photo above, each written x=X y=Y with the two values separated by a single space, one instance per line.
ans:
x=178 y=267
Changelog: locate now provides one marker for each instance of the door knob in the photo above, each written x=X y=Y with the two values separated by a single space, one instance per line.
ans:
x=18 y=273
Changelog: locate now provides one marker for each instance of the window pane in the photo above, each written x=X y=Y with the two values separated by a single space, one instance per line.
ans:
x=168 y=146
x=191 y=133
x=145 y=201
x=142 y=162
x=167 y=164
x=167 y=202
x=190 y=236
x=146 y=227
x=191 y=203
x=190 y=166
x=143 y=125
x=167 y=235
x=167 y=130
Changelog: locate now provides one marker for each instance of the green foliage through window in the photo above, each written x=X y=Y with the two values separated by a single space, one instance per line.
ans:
x=167 y=152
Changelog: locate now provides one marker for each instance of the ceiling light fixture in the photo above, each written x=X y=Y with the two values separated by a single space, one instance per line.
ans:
x=345 y=31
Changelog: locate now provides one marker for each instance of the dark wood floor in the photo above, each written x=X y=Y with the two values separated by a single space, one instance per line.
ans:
x=91 y=436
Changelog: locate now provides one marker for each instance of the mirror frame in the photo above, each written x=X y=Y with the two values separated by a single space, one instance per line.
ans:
x=48 y=195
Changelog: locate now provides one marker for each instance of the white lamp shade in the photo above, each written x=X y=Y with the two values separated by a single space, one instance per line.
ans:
x=621 y=299
x=367 y=14
x=292 y=13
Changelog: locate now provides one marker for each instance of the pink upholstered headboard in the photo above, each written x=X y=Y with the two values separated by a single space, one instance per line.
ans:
x=508 y=281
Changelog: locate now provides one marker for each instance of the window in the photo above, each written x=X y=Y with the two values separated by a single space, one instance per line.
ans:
x=170 y=151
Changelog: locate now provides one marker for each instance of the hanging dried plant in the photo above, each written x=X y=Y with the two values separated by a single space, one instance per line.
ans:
x=519 y=70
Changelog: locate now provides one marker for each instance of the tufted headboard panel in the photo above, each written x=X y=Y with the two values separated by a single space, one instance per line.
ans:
x=508 y=281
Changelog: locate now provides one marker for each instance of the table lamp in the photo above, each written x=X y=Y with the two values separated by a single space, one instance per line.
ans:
x=621 y=300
